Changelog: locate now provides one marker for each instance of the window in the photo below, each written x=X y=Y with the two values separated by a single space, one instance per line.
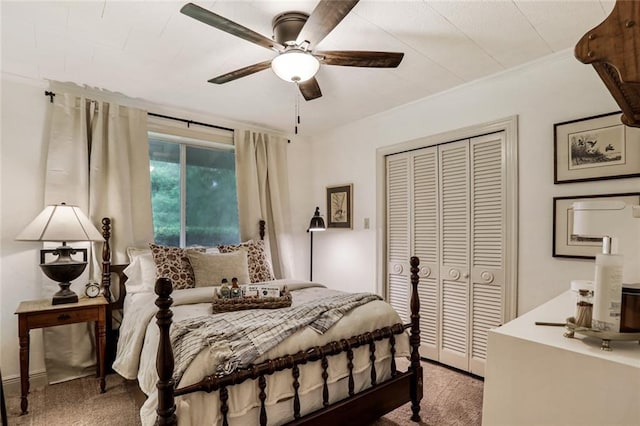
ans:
x=193 y=191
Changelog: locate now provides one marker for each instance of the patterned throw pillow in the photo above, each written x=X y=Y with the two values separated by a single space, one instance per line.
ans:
x=173 y=263
x=259 y=266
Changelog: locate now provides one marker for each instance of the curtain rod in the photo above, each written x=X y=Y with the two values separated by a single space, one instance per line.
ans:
x=189 y=122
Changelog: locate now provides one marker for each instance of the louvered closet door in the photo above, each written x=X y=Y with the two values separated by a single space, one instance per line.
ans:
x=488 y=233
x=446 y=204
x=454 y=243
x=424 y=173
x=398 y=233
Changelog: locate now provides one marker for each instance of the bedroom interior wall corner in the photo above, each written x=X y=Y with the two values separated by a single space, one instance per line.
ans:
x=23 y=139
x=301 y=175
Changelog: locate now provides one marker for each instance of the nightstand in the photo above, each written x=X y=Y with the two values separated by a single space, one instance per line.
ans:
x=41 y=313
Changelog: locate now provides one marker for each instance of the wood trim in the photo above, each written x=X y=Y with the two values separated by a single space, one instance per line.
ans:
x=316 y=353
x=613 y=49
x=365 y=407
x=166 y=409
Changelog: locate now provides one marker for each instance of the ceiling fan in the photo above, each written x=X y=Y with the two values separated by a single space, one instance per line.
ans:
x=295 y=36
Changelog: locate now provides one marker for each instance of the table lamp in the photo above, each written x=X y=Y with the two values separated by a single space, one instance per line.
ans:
x=613 y=221
x=616 y=223
x=62 y=223
x=316 y=224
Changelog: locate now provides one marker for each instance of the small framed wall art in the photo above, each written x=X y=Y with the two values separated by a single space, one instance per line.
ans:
x=340 y=206
x=565 y=243
x=594 y=148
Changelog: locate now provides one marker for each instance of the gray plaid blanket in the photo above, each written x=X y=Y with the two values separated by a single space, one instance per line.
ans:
x=236 y=339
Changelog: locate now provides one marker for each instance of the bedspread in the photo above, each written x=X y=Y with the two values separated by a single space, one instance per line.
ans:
x=240 y=337
x=138 y=344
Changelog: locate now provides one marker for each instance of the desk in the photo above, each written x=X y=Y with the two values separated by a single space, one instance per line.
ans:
x=41 y=313
x=535 y=376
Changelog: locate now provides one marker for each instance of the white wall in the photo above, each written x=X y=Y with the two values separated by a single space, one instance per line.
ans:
x=24 y=110
x=552 y=90
x=22 y=164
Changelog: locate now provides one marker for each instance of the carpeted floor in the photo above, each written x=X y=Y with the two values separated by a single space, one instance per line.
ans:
x=78 y=403
x=450 y=398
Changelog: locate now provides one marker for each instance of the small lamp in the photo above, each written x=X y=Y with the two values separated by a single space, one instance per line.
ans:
x=316 y=224
x=61 y=222
x=613 y=221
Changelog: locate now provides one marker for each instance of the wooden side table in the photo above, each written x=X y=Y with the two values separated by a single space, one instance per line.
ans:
x=41 y=313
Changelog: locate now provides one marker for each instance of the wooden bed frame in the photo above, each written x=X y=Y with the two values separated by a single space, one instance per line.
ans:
x=358 y=408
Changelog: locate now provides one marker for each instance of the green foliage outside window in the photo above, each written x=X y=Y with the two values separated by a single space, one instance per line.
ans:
x=211 y=212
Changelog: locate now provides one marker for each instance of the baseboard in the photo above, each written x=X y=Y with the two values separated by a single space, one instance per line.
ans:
x=467 y=373
x=12 y=385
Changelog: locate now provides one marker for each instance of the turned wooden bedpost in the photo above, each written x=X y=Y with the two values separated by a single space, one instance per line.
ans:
x=414 y=341
x=111 y=338
x=106 y=260
x=262 y=224
x=164 y=361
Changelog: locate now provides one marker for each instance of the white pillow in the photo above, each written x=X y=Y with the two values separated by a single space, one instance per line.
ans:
x=209 y=269
x=134 y=252
x=141 y=272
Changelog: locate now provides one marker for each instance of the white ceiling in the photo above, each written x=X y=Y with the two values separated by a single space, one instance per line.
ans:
x=149 y=50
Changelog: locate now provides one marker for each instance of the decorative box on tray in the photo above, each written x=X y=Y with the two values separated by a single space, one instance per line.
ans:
x=250 y=297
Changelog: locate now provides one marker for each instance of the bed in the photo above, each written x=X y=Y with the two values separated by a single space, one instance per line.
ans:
x=346 y=373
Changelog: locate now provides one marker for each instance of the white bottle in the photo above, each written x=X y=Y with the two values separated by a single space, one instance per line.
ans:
x=607 y=289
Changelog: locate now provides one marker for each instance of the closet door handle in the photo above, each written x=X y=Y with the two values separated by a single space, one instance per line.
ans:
x=465 y=275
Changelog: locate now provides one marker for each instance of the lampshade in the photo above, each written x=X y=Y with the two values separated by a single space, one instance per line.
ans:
x=295 y=65
x=597 y=218
x=317 y=222
x=614 y=221
x=60 y=222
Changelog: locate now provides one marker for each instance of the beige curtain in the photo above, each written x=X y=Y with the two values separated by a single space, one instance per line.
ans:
x=97 y=159
x=263 y=193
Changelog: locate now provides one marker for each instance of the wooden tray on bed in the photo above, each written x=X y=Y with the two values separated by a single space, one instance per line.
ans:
x=242 y=303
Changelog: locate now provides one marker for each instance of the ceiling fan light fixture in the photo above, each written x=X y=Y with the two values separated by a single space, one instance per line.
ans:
x=295 y=65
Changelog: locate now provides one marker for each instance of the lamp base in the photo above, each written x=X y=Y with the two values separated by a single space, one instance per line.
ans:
x=63 y=270
x=65 y=295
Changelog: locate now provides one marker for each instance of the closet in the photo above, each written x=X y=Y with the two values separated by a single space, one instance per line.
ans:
x=448 y=205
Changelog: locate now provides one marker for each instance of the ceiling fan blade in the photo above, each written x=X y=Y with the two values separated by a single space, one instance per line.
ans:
x=226 y=25
x=324 y=18
x=310 y=89
x=242 y=72
x=357 y=58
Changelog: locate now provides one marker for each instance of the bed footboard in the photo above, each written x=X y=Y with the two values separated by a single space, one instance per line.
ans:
x=360 y=408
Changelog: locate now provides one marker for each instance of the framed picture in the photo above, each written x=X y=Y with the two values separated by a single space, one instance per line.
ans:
x=594 y=148
x=565 y=243
x=340 y=206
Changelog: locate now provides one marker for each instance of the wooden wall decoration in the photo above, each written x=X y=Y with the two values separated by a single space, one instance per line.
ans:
x=613 y=48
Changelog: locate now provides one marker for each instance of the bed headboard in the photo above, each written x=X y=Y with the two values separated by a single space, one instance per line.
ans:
x=110 y=270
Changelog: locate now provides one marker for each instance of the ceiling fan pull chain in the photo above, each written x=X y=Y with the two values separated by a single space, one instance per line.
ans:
x=297 y=106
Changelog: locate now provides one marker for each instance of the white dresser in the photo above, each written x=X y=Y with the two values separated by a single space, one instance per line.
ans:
x=535 y=376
